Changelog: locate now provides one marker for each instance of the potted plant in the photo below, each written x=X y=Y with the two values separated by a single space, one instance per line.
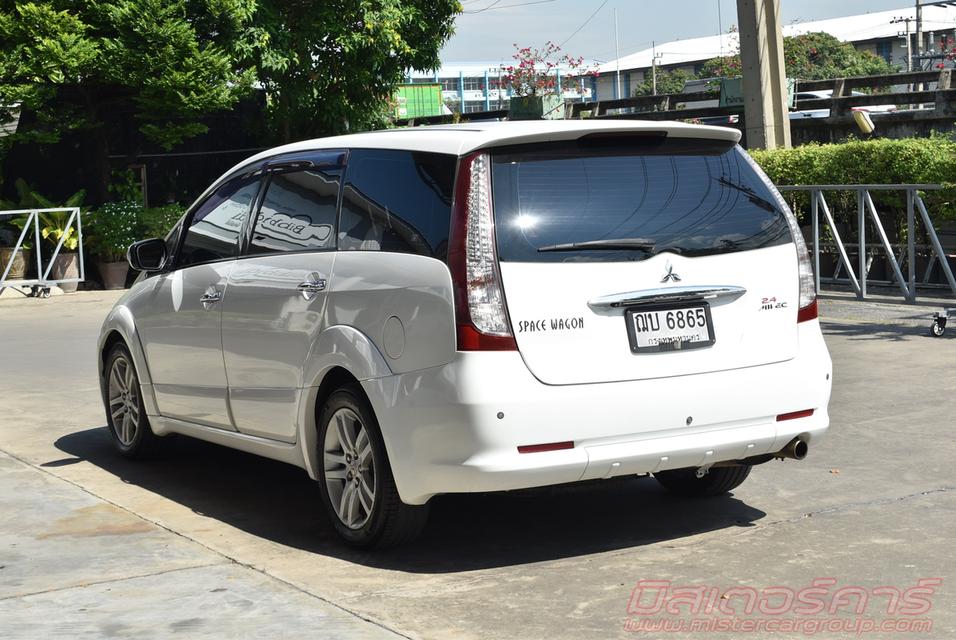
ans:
x=534 y=84
x=19 y=261
x=111 y=230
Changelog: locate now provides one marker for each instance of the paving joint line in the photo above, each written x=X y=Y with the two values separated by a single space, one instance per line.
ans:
x=852 y=505
x=95 y=583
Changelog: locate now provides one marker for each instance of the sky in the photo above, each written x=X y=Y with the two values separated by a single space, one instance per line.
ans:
x=487 y=29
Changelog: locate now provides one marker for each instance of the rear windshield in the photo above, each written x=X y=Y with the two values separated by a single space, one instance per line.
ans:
x=630 y=201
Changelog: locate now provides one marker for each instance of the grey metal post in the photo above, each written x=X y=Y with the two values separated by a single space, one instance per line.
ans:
x=36 y=230
x=934 y=239
x=59 y=245
x=815 y=217
x=844 y=257
x=881 y=234
x=861 y=218
x=487 y=93
x=79 y=236
x=17 y=247
x=911 y=242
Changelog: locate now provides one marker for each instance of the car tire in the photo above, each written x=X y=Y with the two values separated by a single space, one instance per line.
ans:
x=357 y=486
x=717 y=481
x=126 y=417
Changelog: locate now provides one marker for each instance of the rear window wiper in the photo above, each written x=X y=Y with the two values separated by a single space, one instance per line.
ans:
x=618 y=244
x=763 y=203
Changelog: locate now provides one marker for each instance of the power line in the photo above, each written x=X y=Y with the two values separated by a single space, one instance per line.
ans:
x=584 y=24
x=490 y=6
x=493 y=5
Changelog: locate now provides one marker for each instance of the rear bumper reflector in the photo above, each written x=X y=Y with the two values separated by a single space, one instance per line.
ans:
x=551 y=446
x=806 y=413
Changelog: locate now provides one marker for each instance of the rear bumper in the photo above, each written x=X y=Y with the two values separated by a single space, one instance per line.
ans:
x=456 y=428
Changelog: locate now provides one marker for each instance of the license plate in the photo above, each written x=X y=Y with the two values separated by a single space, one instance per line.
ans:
x=670 y=328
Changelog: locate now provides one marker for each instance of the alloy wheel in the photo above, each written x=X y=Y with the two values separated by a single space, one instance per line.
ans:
x=349 y=468
x=124 y=401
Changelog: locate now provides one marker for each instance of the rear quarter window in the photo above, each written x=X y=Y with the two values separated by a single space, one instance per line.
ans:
x=398 y=201
x=688 y=197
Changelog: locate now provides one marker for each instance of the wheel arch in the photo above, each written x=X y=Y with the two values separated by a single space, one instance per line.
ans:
x=119 y=326
x=341 y=355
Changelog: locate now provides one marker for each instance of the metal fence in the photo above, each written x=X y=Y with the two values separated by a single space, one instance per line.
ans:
x=894 y=253
x=31 y=233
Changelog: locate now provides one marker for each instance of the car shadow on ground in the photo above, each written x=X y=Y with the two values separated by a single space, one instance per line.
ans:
x=465 y=532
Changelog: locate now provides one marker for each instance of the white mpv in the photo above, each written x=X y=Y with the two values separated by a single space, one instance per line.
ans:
x=480 y=307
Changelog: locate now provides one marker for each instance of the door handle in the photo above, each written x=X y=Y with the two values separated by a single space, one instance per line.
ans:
x=312 y=286
x=210 y=297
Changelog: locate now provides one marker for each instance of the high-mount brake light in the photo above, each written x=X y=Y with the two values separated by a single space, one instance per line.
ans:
x=480 y=312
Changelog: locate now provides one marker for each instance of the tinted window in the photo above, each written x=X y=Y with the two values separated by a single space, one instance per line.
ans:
x=397 y=201
x=673 y=197
x=298 y=212
x=213 y=231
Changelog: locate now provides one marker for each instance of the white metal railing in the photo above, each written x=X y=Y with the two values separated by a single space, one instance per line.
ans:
x=32 y=227
x=865 y=208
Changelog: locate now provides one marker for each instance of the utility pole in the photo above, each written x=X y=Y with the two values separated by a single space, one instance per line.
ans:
x=919 y=28
x=617 y=60
x=764 y=78
x=720 y=30
x=906 y=36
x=500 y=89
x=654 y=68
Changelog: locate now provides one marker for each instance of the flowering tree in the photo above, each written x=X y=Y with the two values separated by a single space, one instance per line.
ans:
x=947 y=51
x=534 y=72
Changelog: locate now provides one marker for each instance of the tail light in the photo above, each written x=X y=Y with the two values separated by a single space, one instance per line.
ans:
x=480 y=313
x=808 y=290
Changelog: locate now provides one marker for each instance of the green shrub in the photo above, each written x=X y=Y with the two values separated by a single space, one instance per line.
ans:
x=112 y=228
x=156 y=222
x=910 y=161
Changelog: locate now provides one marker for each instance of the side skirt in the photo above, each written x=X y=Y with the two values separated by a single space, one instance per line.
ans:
x=290 y=453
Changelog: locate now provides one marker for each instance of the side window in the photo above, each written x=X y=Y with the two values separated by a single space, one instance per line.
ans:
x=397 y=201
x=298 y=212
x=213 y=232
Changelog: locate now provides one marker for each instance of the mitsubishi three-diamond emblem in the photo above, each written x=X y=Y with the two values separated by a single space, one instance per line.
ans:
x=670 y=276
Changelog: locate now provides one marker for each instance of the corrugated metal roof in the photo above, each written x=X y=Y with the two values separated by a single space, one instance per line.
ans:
x=858 y=28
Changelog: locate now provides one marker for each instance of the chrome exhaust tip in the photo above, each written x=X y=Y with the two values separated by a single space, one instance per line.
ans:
x=796 y=449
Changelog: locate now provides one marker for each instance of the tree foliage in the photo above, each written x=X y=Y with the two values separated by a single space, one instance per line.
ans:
x=325 y=66
x=812 y=56
x=329 y=66
x=672 y=81
x=170 y=61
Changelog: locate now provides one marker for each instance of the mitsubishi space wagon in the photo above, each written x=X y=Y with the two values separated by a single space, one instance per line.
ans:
x=476 y=308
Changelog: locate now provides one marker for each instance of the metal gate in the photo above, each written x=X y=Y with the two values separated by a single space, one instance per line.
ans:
x=866 y=209
x=41 y=284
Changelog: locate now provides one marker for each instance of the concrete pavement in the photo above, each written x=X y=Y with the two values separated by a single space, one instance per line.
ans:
x=75 y=566
x=873 y=506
